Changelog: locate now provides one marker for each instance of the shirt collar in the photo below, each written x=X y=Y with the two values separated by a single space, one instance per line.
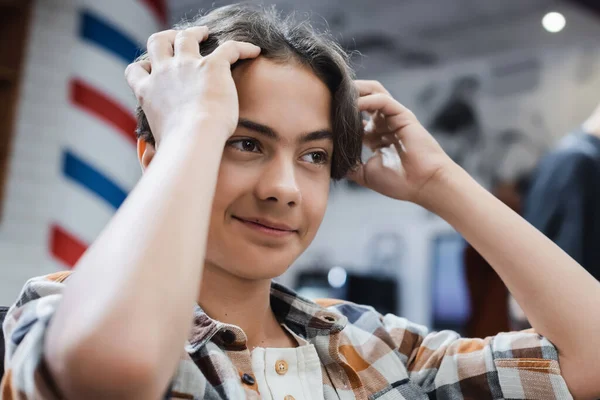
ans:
x=305 y=318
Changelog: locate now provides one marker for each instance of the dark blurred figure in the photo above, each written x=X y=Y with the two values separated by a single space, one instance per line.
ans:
x=564 y=200
x=488 y=295
x=457 y=121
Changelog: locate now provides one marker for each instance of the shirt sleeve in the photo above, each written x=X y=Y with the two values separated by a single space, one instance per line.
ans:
x=515 y=365
x=556 y=202
x=26 y=373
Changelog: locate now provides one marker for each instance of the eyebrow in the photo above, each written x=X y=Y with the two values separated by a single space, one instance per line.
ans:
x=322 y=134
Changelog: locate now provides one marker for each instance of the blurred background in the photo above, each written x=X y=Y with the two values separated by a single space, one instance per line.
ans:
x=497 y=82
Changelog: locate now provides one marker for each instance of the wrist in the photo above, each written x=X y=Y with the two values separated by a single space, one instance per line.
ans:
x=193 y=144
x=197 y=130
x=443 y=189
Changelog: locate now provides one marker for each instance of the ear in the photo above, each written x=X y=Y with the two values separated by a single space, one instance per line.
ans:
x=145 y=152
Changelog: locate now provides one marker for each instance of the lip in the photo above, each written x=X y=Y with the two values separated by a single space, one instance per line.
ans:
x=266 y=226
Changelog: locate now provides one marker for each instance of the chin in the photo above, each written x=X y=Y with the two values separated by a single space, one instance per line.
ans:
x=256 y=263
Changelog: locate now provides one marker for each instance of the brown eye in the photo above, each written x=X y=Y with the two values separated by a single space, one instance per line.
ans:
x=248 y=145
x=316 y=157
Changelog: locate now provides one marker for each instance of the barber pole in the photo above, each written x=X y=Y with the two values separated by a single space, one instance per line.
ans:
x=98 y=163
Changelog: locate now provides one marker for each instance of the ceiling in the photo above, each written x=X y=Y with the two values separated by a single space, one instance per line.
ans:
x=401 y=34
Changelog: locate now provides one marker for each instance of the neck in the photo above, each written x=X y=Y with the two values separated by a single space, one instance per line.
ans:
x=241 y=302
x=592 y=125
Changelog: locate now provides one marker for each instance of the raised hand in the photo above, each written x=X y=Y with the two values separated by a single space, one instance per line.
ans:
x=175 y=83
x=406 y=158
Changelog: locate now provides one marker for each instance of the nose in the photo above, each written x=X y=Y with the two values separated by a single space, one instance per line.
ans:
x=278 y=183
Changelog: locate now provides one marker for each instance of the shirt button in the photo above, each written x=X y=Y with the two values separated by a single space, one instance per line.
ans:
x=248 y=379
x=289 y=397
x=281 y=367
x=228 y=337
x=328 y=317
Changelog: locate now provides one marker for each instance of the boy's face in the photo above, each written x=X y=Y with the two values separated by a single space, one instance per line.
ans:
x=273 y=182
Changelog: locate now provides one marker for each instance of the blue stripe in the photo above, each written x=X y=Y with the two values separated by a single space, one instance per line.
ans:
x=93 y=180
x=107 y=36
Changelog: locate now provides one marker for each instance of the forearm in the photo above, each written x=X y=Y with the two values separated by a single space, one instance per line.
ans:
x=134 y=289
x=558 y=296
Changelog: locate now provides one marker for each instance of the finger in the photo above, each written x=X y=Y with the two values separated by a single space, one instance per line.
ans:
x=376 y=144
x=378 y=141
x=392 y=140
x=232 y=51
x=399 y=148
x=373 y=142
x=357 y=174
x=380 y=102
x=375 y=127
x=376 y=124
x=366 y=87
x=397 y=117
x=187 y=41
x=388 y=140
x=160 y=46
x=137 y=72
x=374 y=134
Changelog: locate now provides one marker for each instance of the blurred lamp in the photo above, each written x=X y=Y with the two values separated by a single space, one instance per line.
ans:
x=554 y=22
x=337 y=277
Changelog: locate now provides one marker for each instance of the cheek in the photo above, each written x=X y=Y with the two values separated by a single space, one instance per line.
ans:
x=232 y=182
x=314 y=197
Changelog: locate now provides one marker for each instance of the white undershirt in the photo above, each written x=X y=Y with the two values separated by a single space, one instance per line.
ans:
x=299 y=373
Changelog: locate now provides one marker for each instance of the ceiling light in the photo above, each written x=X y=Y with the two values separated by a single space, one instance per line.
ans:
x=554 y=22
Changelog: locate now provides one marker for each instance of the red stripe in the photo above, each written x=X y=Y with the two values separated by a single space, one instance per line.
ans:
x=65 y=247
x=104 y=108
x=159 y=8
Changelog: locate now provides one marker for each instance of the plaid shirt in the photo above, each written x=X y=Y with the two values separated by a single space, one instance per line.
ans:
x=364 y=355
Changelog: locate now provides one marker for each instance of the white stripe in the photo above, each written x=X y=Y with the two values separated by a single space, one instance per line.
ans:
x=559 y=386
x=390 y=367
x=504 y=342
x=23 y=230
x=131 y=18
x=102 y=146
x=357 y=336
x=29 y=199
x=510 y=383
x=103 y=73
x=81 y=213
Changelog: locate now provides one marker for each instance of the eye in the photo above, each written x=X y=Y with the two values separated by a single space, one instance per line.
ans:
x=316 y=157
x=249 y=145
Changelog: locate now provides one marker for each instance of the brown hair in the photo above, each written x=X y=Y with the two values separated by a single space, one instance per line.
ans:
x=283 y=39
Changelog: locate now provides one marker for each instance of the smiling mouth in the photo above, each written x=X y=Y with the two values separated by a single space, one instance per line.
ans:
x=265 y=227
